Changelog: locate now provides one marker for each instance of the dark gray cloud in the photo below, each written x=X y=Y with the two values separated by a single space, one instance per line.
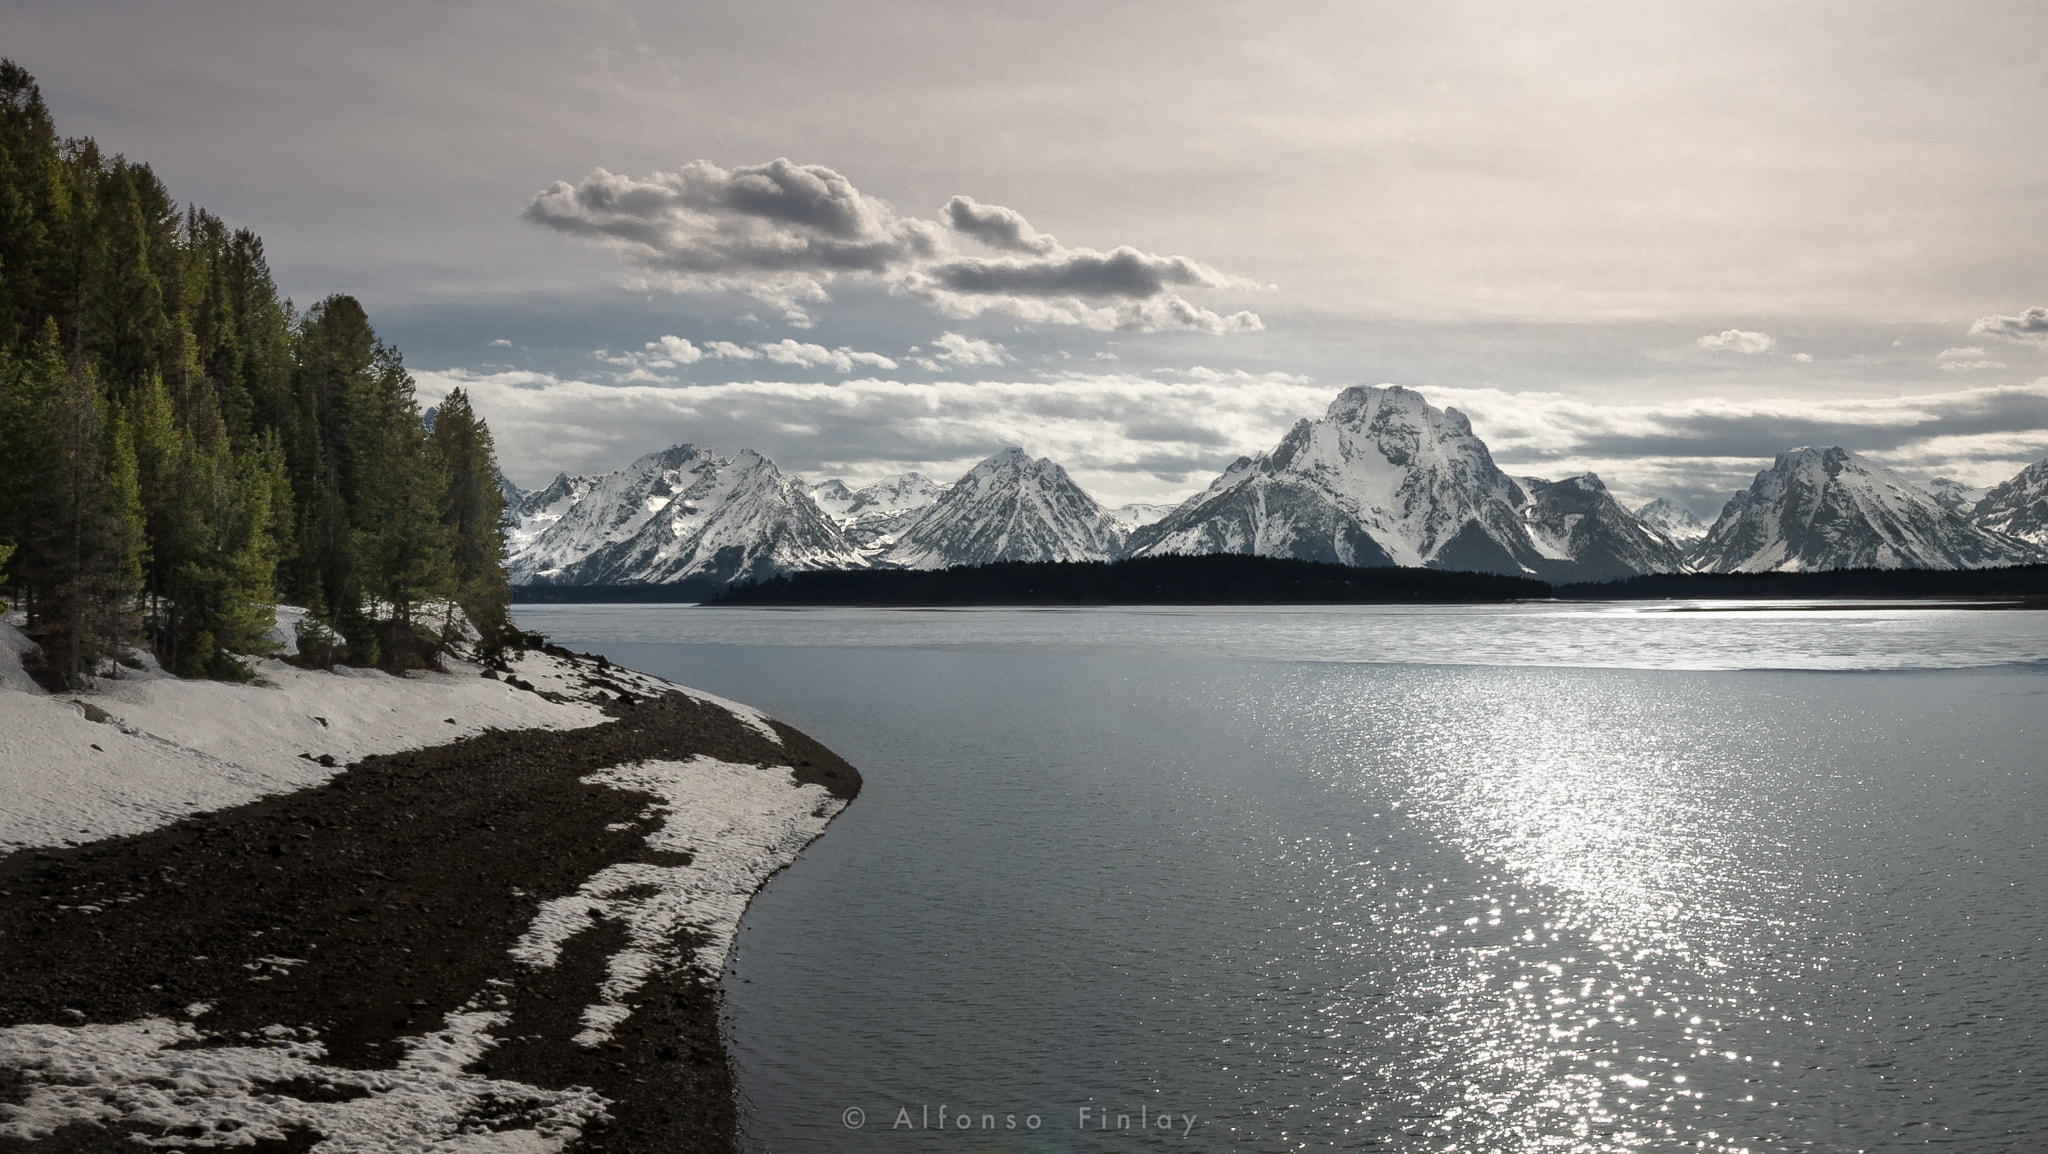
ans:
x=2030 y=326
x=996 y=226
x=778 y=229
x=1121 y=274
x=781 y=231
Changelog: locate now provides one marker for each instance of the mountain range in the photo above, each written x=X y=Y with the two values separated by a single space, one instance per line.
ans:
x=1382 y=478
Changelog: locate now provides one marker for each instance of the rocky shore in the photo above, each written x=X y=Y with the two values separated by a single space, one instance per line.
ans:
x=508 y=941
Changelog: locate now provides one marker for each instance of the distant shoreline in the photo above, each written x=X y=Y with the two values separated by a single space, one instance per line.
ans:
x=1231 y=579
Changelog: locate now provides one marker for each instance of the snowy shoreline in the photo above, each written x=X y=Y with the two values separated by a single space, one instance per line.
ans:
x=576 y=843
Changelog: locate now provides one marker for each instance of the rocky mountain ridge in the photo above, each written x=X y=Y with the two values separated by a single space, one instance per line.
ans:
x=1382 y=478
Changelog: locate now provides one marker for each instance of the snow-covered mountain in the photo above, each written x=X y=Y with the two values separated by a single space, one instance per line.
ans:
x=874 y=516
x=1673 y=520
x=1954 y=496
x=530 y=513
x=1137 y=514
x=1589 y=536
x=1008 y=508
x=1382 y=479
x=1831 y=509
x=685 y=516
x=2018 y=507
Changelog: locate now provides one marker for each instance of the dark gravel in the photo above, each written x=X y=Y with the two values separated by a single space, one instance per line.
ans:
x=402 y=882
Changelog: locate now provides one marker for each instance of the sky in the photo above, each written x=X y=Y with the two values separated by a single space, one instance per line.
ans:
x=1661 y=242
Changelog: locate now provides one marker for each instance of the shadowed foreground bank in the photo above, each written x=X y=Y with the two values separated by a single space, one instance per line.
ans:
x=365 y=912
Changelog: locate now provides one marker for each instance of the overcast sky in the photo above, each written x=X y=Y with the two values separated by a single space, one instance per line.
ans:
x=1661 y=242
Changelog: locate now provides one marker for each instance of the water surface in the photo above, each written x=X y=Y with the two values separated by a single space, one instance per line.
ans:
x=1471 y=879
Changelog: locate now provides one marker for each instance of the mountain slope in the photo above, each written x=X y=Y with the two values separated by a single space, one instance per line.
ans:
x=1953 y=495
x=686 y=516
x=1382 y=479
x=1831 y=509
x=531 y=513
x=1578 y=522
x=1008 y=508
x=874 y=516
x=2018 y=507
x=1673 y=520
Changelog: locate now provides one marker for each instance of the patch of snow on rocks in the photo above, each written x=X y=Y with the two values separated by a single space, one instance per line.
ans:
x=739 y=823
x=132 y=1072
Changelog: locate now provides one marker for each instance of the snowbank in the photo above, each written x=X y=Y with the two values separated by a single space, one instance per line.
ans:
x=738 y=824
x=149 y=748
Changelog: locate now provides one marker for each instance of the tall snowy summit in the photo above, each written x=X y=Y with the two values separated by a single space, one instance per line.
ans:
x=1831 y=509
x=1008 y=508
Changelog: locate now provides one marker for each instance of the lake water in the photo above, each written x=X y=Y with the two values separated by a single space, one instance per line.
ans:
x=1472 y=879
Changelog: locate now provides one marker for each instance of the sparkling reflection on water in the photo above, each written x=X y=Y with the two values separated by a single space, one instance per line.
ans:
x=1379 y=906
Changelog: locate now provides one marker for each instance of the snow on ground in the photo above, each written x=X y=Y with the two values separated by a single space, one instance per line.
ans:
x=131 y=1073
x=549 y=675
x=149 y=749
x=739 y=825
x=169 y=747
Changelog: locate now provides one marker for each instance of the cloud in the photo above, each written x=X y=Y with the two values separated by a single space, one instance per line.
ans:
x=1966 y=358
x=2030 y=327
x=781 y=232
x=1803 y=358
x=1737 y=341
x=961 y=350
x=671 y=352
x=996 y=226
x=1712 y=445
x=1125 y=436
x=1158 y=436
x=802 y=355
x=501 y=343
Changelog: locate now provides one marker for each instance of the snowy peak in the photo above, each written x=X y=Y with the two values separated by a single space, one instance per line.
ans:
x=1673 y=520
x=1578 y=523
x=1954 y=496
x=1009 y=507
x=874 y=516
x=833 y=497
x=1383 y=478
x=683 y=516
x=1829 y=508
x=1138 y=514
x=2018 y=507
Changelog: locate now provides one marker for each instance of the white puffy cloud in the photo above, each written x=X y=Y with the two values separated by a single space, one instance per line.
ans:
x=1966 y=358
x=2029 y=327
x=672 y=352
x=1737 y=341
x=809 y=356
x=956 y=349
x=501 y=343
x=781 y=232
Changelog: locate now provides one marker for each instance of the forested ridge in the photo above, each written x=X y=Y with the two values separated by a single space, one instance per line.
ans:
x=181 y=449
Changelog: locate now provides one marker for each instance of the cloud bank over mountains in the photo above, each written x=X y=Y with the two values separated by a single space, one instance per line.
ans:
x=781 y=232
x=1153 y=436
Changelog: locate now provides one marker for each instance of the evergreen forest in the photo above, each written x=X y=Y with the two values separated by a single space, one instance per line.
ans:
x=181 y=450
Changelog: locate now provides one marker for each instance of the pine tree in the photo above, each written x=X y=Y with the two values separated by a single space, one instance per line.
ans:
x=474 y=507
x=82 y=523
x=178 y=446
x=405 y=549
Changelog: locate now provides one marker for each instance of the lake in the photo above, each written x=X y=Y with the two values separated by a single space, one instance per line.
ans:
x=1597 y=877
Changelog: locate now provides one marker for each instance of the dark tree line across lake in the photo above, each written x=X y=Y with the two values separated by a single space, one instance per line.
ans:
x=181 y=449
